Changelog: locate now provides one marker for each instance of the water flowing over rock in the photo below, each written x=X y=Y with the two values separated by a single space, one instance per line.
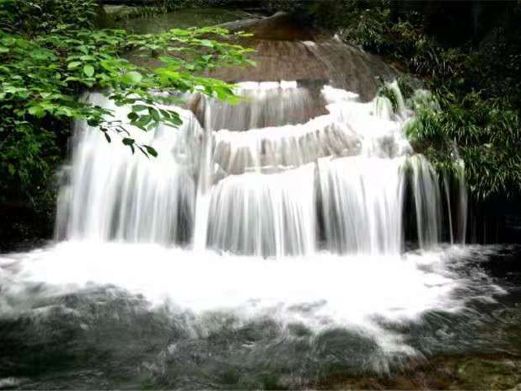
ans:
x=114 y=195
x=260 y=179
x=311 y=159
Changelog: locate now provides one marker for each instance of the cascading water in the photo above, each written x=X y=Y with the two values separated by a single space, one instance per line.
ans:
x=134 y=200
x=261 y=190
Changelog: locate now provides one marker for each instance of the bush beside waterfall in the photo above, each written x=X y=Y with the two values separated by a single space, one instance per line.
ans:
x=483 y=133
x=46 y=67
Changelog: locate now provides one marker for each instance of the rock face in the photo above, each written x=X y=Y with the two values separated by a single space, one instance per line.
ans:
x=286 y=51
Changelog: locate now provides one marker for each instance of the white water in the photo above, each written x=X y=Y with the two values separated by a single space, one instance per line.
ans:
x=336 y=181
x=259 y=213
x=362 y=201
x=113 y=194
x=263 y=105
x=321 y=291
x=297 y=218
x=207 y=281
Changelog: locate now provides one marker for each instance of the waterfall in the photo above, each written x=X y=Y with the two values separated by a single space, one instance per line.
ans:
x=427 y=201
x=264 y=104
x=291 y=170
x=362 y=202
x=264 y=214
x=115 y=195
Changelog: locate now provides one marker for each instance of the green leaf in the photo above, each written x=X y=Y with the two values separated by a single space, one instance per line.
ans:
x=37 y=111
x=143 y=121
x=73 y=65
x=151 y=151
x=138 y=108
x=132 y=77
x=155 y=114
x=93 y=122
x=88 y=70
x=207 y=43
x=128 y=141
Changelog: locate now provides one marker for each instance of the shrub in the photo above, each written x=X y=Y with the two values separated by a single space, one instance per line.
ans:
x=485 y=133
x=33 y=17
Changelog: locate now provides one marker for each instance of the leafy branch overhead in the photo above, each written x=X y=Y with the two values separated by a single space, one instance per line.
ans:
x=42 y=76
x=51 y=53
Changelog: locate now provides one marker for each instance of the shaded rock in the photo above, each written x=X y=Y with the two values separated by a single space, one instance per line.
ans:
x=286 y=51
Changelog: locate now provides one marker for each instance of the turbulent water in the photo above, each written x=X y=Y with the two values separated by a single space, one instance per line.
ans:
x=80 y=314
x=270 y=244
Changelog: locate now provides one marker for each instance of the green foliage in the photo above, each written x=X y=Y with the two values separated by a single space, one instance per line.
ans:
x=42 y=77
x=170 y=5
x=402 y=41
x=45 y=69
x=482 y=132
x=387 y=92
x=33 y=17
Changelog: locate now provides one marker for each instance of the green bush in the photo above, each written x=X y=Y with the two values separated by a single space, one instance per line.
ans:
x=32 y=17
x=482 y=132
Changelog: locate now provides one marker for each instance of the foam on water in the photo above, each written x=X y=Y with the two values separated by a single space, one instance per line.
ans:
x=260 y=210
x=320 y=291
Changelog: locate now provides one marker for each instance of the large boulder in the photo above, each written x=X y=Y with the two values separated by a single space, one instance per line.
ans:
x=285 y=50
